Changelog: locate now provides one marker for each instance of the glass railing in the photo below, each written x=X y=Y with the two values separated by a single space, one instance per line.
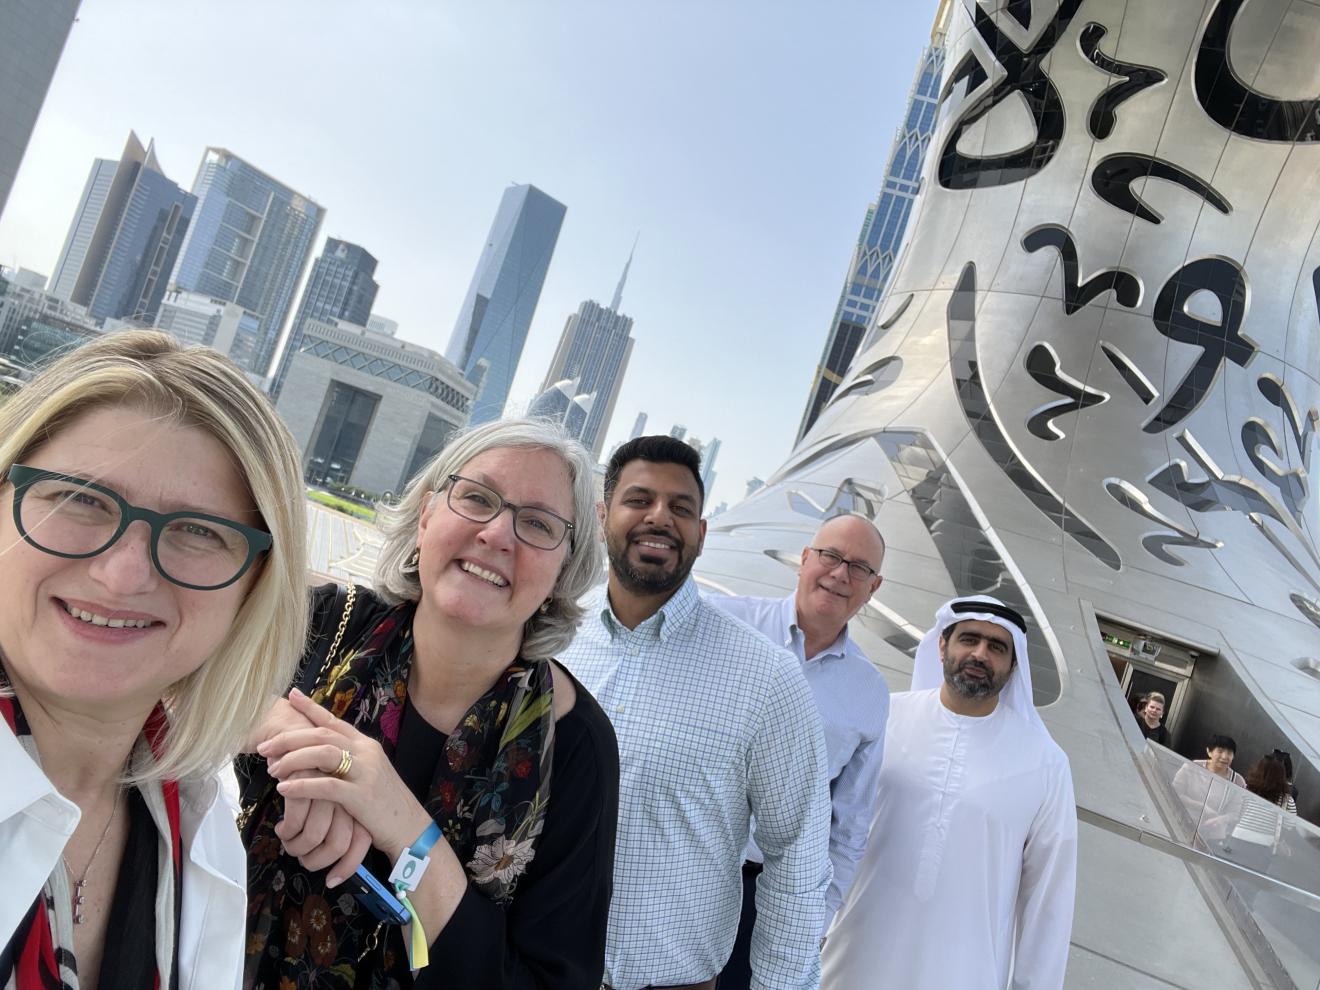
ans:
x=1256 y=863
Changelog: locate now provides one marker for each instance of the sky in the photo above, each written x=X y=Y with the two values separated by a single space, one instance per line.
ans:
x=741 y=142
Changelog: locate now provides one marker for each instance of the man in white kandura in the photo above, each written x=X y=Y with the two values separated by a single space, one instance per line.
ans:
x=969 y=876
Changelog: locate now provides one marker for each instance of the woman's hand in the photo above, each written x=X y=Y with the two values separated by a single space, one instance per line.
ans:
x=280 y=717
x=319 y=833
x=305 y=759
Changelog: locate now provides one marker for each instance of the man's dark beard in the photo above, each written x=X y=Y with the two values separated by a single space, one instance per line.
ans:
x=971 y=688
x=648 y=582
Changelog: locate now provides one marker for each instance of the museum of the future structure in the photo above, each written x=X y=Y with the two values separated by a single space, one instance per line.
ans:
x=1093 y=390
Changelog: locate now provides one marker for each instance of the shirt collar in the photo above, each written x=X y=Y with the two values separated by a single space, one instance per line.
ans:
x=787 y=621
x=668 y=619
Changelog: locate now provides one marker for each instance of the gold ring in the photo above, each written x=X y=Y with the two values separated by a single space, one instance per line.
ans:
x=345 y=764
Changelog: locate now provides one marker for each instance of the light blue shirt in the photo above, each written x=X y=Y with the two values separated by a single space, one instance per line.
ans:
x=853 y=701
x=715 y=725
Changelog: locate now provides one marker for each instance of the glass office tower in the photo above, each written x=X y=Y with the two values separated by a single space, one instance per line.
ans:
x=882 y=231
x=249 y=243
x=32 y=37
x=341 y=287
x=125 y=237
x=497 y=312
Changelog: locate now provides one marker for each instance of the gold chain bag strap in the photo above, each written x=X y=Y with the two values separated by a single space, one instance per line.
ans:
x=350 y=594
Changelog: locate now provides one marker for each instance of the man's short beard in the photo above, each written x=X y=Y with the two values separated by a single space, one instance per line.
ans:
x=648 y=582
x=969 y=687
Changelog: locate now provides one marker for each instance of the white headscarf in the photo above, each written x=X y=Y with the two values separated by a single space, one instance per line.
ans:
x=928 y=671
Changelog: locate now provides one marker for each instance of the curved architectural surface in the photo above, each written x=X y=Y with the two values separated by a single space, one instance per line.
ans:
x=1093 y=391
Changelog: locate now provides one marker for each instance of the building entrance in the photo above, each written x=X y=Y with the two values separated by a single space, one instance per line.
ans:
x=1145 y=662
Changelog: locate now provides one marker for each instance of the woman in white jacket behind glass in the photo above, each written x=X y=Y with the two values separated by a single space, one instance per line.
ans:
x=152 y=599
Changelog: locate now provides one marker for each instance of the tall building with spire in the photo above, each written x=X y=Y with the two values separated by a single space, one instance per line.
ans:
x=883 y=228
x=497 y=312
x=593 y=355
x=249 y=243
x=124 y=238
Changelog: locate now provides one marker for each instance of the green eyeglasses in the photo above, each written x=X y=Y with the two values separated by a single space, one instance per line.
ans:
x=72 y=517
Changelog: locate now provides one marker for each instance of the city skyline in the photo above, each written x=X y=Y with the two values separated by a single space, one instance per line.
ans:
x=745 y=173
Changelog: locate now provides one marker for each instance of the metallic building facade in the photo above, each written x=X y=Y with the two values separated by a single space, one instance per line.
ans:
x=341 y=286
x=882 y=231
x=492 y=325
x=1093 y=390
x=249 y=243
x=32 y=37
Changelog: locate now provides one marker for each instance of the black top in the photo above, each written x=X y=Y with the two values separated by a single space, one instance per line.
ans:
x=552 y=935
x=1160 y=734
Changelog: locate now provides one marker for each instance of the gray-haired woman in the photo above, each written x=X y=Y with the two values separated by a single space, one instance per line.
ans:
x=442 y=722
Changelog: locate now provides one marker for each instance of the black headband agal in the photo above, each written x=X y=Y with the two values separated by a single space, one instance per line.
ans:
x=992 y=608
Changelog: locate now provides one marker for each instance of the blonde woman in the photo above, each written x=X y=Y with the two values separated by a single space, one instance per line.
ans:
x=152 y=570
x=446 y=730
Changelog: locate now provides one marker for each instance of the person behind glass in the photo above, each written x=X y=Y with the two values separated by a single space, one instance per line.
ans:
x=443 y=720
x=1210 y=799
x=152 y=566
x=1256 y=835
x=1149 y=718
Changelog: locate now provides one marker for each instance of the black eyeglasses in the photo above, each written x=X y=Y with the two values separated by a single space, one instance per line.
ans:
x=858 y=570
x=538 y=528
x=71 y=517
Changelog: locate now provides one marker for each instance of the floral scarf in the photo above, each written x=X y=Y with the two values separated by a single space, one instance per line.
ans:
x=488 y=794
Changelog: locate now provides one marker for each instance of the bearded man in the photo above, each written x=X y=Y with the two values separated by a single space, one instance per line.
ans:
x=717 y=727
x=969 y=876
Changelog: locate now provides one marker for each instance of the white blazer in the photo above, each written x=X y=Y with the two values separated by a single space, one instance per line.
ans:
x=36 y=822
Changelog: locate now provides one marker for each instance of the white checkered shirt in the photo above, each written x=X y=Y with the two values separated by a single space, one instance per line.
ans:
x=715 y=724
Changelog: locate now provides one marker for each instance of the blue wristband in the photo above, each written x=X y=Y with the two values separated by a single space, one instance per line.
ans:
x=421 y=847
x=407 y=873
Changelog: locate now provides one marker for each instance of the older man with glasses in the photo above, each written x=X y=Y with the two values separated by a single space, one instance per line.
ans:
x=840 y=572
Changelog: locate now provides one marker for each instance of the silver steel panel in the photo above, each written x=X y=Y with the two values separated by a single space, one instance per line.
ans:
x=1023 y=404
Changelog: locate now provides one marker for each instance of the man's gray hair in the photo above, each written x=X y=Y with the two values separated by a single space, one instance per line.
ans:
x=546 y=633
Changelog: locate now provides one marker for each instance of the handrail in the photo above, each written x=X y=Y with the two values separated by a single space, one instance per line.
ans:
x=1171 y=847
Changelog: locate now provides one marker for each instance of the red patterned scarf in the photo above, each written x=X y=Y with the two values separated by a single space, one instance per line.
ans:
x=33 y=959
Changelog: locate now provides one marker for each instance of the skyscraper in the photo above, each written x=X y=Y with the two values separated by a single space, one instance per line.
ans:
x=249 y=243
x=639 y=424
x=708 y=451
x=341 y=287
x=90 y=207
x=492 y=325
x=883 y=229
x=124 y=238
x=32 y=36
x=594 y=351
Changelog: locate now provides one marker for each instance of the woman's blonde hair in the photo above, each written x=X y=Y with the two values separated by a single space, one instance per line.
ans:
x=213 y=709
x=548 y=632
